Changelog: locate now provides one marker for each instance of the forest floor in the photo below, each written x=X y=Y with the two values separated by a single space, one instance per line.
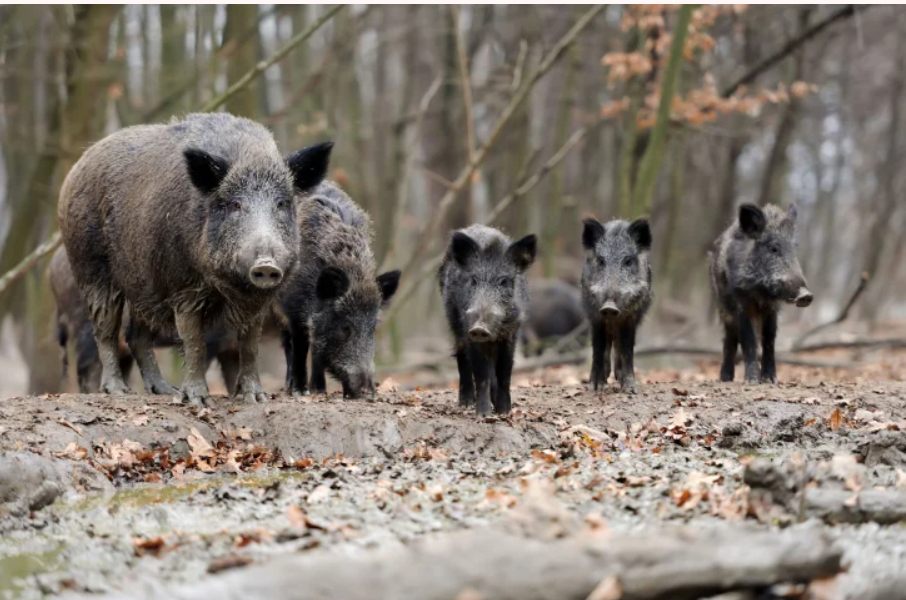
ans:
x=149 y=492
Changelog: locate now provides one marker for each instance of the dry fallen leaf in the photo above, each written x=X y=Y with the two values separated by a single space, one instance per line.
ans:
x=609 y=589
x=231 y=561
x=140 y=420
x=388 y=386
x=72 y=451
x=66 y=423
x=296 y=517
x=680 y=419
x=319 y=494
x=200 y=446
x=835 y=421
x=153 y=546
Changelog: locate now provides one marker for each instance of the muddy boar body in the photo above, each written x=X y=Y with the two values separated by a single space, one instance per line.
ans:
x=616 y=293
x=190 y=224
x=332 y=301
x=754 y=270
x=485 y=295
x=74 y=326
x=555 y=310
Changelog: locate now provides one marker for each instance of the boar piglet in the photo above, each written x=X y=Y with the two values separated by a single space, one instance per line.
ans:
x=332 y=302
x=555 y=310
x=754 y=270
x=190 y=223
x=616 y=291
x=485 y=294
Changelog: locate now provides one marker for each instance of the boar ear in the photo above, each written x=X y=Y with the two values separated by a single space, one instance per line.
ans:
x=591 y=232
x=463 y=248
x=309 y=165
x=793 y=212
x=332 y=283
x=522 y=252
x=205 y=170
x=751 y=220
x=640 y=232
x=388 y=282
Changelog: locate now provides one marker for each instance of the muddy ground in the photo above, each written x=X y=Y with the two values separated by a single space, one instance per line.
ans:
x=146 y=491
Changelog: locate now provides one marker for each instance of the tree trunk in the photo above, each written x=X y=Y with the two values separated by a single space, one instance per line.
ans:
x=242 y=58
x=650 y=167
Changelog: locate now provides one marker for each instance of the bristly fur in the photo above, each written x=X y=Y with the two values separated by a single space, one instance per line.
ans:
x=752 y=273
x=617 y=273
x=150 y=219
x=336 y=237
x=482 y=281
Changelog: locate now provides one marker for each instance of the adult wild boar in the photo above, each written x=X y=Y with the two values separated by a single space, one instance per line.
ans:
x=332 y=301
x=616 y=291
x=555 y=311
x=754 y=270
x=192 y=224
x=485 y=295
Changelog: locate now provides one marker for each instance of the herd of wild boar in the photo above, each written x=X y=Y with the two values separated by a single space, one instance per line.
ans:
x=198 y=233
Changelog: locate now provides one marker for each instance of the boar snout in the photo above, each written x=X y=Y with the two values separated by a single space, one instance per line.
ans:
x=480 y=333
x=265 y=274
x=358 y=383
x=609 y=309
x=803 y=297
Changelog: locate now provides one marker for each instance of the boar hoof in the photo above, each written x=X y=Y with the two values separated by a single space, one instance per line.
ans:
x=629 y=387
x=194 y=394
x=115 y=386
x=769 y=379
x=251 y=392
x=160 y=387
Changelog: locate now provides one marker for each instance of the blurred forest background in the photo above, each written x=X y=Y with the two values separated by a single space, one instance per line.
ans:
x=528 y=117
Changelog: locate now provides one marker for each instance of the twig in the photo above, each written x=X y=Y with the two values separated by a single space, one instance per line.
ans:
x=889 y=343
x=274 y=59
x=520 y=65
x=30 y=261
x=790 y=47
x=466 y=174
x=863 y=283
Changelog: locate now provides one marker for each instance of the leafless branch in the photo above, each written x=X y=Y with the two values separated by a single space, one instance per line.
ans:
x=844 y=314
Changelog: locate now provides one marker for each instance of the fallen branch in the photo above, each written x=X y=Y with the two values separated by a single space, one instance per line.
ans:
x=866 y=344
x=844 y=314
x=885 y=507
x=790 y=47
x=30 y=261
x=494 y=565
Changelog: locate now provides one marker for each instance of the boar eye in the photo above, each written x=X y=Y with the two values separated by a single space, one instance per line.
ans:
x=775 y=250
x=504 y=282
x=601 y=261
x=281 y=204
x=628 y=261
x=473 y=280
x=233 y=205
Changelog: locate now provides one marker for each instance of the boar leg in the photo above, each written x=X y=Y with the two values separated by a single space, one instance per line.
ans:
x=749 y=346
x=300 y=345
x=107 y=323
x=286 y=340
x=481 y=368
x=600 y=361
x=731 y=343
x=248 y=385
x=230 y=364
x=466 y=382
x=625 y=349
x=504 y=373
x=318 y=384
x=191 y=331
x=768 y=336
x=141 y=343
